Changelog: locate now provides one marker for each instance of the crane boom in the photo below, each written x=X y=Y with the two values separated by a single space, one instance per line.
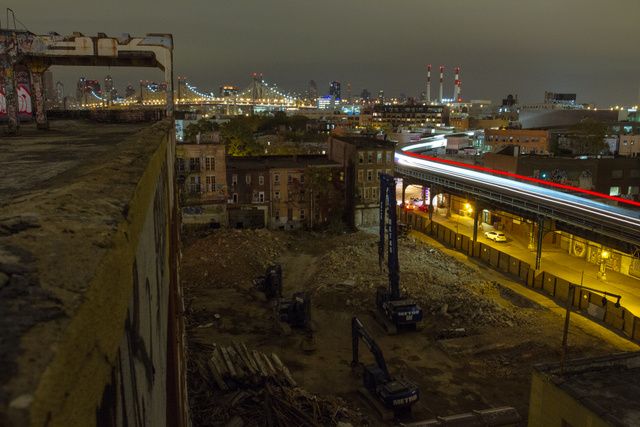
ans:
x=358 y=331
x=390 y=228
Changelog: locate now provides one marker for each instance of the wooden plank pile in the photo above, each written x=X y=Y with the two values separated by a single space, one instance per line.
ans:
x=234 y=386
x=236 y=366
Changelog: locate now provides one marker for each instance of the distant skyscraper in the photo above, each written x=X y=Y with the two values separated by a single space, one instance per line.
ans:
x=80 y=89
x=108 y=83
x=381 y=96
x=312 y=91
x=129 y=91
x=365 y=94
x=49 y=89
x=334 y=90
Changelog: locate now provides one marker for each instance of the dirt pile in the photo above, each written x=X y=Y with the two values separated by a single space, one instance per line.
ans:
x=444 y=287
x=231 y=258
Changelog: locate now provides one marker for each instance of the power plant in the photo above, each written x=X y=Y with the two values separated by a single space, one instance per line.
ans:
x=457 y=86
x=428 y=97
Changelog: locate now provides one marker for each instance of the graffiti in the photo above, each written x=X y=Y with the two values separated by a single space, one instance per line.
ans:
x=3 y=102
x=24 y=100
x=137 y=394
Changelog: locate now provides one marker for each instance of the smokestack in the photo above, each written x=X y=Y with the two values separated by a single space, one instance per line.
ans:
x=429 y=84
x=441 y=83
x=456 y=85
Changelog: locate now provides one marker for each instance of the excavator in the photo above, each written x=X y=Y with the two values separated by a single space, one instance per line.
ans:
x=296 y=311
x=271 y=282
x=395 y=394
x=394 y=311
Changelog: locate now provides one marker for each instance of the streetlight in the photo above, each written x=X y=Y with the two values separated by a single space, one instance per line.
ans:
x=604 y=256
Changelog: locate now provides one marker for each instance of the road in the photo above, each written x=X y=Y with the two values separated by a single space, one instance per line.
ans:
x=555 y=261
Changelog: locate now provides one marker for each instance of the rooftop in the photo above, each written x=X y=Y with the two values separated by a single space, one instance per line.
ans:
x=366 y=141
x=281 y=161
x=63 y=195
x=608 y=385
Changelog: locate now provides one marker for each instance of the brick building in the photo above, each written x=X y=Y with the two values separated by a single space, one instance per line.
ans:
x=629 y=145
x=528 y=141
x=363 y=158
x=285 y=192
x=201 y=173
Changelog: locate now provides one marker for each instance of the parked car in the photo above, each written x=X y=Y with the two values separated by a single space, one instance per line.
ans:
x=496 y=236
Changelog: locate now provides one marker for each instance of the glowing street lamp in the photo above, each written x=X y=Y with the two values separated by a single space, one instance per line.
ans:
x=604 y=256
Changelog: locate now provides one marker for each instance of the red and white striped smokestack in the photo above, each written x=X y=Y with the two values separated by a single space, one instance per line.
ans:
x=441 y=83
x=456 y=85
x=429 y=83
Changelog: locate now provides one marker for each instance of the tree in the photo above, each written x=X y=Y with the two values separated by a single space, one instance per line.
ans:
x=201 y=126
x=589 y=136
x=237 y=135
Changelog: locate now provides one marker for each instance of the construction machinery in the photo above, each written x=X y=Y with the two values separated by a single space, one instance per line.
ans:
x=271 y=282
x=395 y=394
x=394 y=310
x=295 y=311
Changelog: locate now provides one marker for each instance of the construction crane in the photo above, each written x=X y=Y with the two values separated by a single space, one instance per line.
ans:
x=394 y=310
x=395 y=394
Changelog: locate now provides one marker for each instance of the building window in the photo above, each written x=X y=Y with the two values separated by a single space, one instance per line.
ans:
x=261 y=180
x=180 y=166
x=370 y=156
x=389 y=158
x=209 y=163
x=234 y=179
x=360 y=158
x=302 y=179
x=247 y=178
x=261 y=197
x=277 y=214
x=235 y=197
x=276 y=178
x=379 y=157
x=302 y=195
x=634 y=173
x=369 y=175
x=289 y=179
x=633 y=190
x=617 y=173
x=301 y=214
x=211 y=183
x=360 y=175
x=276 y=195
x=614 y=191
x=194 y=184
x=194 y=164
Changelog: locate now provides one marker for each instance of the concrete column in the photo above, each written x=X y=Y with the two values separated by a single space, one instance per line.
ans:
x=539 y=246
x=404 y=190
x=431 y=197
x=476 y=214
x=13 y=125
x=37 y=71
x=532 y=242
x=424 y=194
x=448 y=196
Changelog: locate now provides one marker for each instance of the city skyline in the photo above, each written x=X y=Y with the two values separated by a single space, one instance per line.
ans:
x=543 y=46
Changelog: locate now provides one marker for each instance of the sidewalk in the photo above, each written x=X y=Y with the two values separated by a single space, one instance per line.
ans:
x=556 y=262
x=586 y=324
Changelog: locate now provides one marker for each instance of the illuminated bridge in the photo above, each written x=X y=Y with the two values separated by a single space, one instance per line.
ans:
x=258 y=94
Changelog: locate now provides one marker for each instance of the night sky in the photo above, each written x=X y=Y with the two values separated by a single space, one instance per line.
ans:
x=522 y=47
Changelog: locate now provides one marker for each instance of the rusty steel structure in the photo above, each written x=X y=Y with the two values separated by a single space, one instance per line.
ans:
x=34 y=54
